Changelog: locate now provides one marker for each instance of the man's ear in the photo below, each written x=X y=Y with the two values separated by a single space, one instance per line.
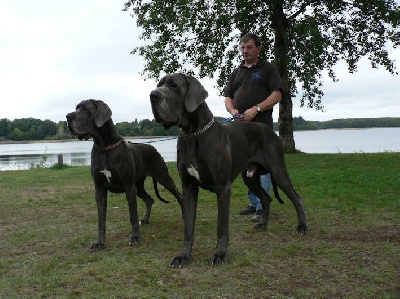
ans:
x=103 y=113
x=196 y=94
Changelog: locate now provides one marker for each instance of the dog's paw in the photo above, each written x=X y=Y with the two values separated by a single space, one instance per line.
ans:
x=133 y=241
x=96 y=247
x=179 y=262
x=260 y=227
x=219 y=259
x=302 y=228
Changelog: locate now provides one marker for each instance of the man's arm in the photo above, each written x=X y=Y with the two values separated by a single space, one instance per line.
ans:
x=274 y=98
x=229 y=106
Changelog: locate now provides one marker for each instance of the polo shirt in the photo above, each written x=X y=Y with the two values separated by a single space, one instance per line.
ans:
x=249 y=86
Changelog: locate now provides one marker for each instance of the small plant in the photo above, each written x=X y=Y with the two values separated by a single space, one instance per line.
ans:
x=42 y=162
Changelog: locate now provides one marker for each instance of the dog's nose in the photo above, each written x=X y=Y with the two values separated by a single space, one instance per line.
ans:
x=69 y=117
x=155 y=96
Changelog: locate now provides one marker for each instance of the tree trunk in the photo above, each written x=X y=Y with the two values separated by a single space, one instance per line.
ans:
x=279 y=23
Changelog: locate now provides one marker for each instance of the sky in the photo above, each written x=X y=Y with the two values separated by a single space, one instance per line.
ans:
x=53 y=54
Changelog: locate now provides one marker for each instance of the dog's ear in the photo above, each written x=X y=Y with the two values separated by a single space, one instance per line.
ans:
x=103 y=113
x=196 y=94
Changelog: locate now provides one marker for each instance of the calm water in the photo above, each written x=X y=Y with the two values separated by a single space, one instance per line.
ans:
x=25 y=156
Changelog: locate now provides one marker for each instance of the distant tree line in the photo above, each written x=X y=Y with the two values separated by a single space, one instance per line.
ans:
x=300 y=123
x=36 y=129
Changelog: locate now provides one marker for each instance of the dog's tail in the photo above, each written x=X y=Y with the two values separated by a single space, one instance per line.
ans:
x=157 y=193
x=275 y=187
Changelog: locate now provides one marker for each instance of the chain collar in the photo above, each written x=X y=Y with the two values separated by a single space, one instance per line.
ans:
x=197 y=133
x=109 y=147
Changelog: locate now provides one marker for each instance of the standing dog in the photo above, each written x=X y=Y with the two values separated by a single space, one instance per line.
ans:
x=118 y=166
x=211 y=155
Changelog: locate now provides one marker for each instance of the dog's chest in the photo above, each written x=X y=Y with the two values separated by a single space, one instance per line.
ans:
x=109 y=173
x=194 y=159
x=193 y=172
x=190 y=154
x=108 y=178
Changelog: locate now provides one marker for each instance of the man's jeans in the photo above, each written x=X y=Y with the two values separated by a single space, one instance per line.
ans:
x=266 y=184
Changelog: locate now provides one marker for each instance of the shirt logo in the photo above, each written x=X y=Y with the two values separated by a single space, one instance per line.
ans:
x=256 y=75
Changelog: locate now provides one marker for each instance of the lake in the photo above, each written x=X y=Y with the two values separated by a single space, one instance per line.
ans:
x=77 y=153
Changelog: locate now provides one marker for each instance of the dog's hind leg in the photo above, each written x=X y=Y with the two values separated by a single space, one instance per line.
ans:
x=251 y=177
x=141 y=192
x=282 y=179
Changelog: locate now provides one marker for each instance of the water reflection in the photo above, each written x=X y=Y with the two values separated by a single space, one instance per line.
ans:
x=74 y=152
x=77 y=153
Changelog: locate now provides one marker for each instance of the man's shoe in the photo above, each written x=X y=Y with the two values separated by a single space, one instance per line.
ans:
x=248 y=211
x=257 y=216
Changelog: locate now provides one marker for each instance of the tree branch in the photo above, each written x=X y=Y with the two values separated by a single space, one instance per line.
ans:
x=301 y=9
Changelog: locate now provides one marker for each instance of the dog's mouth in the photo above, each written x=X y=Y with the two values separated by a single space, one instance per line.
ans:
x=160 y=120
x=80 y=136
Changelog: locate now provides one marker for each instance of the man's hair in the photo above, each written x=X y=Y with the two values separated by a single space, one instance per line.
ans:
x=249 y=36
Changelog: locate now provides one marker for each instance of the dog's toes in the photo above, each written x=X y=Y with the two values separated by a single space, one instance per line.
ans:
x=219 y=259
x=134 y=241
x=302 y=228
x=179 y=262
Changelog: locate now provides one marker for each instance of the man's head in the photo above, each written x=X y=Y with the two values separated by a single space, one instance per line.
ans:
x=250 y=47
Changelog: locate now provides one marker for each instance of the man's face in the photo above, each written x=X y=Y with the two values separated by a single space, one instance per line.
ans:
x=250 y=51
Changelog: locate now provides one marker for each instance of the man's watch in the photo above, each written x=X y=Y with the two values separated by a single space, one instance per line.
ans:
x=258 y=108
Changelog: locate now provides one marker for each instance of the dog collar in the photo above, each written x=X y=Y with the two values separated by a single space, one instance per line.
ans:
x=109 y=147
x=197 y=133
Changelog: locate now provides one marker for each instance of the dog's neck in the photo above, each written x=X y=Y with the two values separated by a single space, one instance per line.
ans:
x=106 y=136
x=197 y=122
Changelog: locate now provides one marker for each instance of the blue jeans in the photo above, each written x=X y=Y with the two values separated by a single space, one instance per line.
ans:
x=266 y=184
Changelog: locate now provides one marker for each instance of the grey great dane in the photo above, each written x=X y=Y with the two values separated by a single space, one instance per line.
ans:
x=118 y=166
x=211 y=155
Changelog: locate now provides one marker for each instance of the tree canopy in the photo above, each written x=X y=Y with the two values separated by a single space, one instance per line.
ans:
x=302 y=38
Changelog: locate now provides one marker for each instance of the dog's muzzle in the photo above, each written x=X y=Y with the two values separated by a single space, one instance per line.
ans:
x=70 y=117
x=155 y=96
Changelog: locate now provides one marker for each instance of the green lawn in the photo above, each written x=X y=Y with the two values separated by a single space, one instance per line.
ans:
x=48 y=219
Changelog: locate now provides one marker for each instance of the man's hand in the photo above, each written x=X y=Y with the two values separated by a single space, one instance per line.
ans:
x=250 y=114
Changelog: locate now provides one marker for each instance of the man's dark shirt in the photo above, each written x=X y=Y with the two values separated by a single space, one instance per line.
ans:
x=249 y=86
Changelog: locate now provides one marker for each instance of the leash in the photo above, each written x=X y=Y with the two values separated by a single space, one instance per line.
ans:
x=233 y=117
x=225 y=120
x=158 y=140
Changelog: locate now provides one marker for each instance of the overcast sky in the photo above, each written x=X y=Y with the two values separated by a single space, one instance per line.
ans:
x=55 y=53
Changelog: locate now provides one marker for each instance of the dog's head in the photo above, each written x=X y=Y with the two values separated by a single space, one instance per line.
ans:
x=89 y=115
x=175 y=95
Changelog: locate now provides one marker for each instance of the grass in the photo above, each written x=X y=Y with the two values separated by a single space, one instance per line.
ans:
x=48 y=219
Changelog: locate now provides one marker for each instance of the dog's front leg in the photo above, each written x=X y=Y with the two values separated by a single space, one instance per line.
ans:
x=221 y=254
x=133 y=215
x=101 y=201
x=190 y=194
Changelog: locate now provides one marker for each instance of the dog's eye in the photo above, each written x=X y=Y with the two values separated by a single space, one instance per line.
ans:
x=173 y=84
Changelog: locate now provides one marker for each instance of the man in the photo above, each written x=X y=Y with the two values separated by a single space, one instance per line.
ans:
x=252 y=90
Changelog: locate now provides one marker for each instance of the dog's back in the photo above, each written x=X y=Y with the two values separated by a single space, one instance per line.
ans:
x=146 y=158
